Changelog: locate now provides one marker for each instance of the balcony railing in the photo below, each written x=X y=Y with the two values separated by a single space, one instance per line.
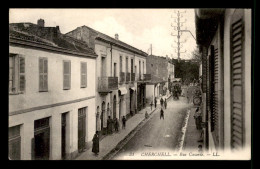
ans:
x=132 y=77
x=128 y=75
x=144 y=77
x=147 y=77
x=106 y=84
x=122 y=77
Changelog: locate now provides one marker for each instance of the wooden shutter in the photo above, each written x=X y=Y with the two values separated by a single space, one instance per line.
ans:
x=43 y=74
x=22 y=73
x=237 y=86
x=83 y=74
x=66 y=75
x=11 y=73
x=214 y=92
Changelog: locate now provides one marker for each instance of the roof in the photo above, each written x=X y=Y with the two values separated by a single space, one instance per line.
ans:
x=49 y=36
x=104 y=37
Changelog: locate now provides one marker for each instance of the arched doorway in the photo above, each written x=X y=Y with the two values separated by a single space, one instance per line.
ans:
x=114 y=107
x=97 y=118
x=103 y=115
x=120 y=108
x=108 y=111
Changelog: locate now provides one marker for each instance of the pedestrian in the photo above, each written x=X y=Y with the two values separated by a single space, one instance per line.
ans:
x=151 y=104
x=161 y=101
x=155 y=102
x=109 y=125
x=124 y=121
x=146 y=115
x=200 y=149
x=165 y=103
x=116 y=124
x=95 y=147
x=198 y=119
x=161 y=114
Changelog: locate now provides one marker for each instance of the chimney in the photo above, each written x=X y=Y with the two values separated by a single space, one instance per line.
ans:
x=40 y=22
x=116 y=36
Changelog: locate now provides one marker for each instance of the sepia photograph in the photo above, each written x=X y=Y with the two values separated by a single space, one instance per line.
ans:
x=130 y=84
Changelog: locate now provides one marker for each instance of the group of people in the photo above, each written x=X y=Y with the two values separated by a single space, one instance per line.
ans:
x=110 y=123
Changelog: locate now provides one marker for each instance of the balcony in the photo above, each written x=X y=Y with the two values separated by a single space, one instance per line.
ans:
x=107 y=84
x=132 y=77
x=145 y=77
x=128 y=75
x=122 y=77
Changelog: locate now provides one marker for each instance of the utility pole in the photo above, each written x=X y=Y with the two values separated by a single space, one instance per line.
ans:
x=179 y=32
x=151 y=49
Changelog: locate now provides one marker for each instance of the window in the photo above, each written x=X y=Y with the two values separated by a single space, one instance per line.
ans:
x=83 y=70
x=16 y=74
x=120 y=63
x=66 y=75
x=115 y=73
x=14 y=143
x=126 y=65
x=143 y=67
x=43 y=74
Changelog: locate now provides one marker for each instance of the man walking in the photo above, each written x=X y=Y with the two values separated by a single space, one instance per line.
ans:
x=165 y=103
x=161 y=114
x=124 y=121
x=155 y=102
x=109 y=125
x=116 y=124
x=161 y=101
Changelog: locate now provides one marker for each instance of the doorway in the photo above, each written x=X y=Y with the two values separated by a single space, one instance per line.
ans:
x=102 y=117
x=81 y=128
x=63 y=135
x=41 y=139
x=114 y=107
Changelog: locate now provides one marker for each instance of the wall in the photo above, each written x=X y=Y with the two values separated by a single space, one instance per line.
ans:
x=150 y=93
x=33 y=98
x=159 y=68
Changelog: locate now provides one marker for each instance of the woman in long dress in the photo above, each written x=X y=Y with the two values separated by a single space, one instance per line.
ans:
x=95 y=147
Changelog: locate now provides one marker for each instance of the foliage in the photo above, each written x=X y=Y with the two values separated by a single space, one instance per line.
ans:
x=188 y=70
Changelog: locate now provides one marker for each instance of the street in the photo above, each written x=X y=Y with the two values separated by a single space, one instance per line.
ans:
x=158 y=134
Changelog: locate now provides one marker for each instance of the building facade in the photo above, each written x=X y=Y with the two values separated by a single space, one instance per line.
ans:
x=224 y=37
x=159 y=68
x=120 y=73
x=51 y=93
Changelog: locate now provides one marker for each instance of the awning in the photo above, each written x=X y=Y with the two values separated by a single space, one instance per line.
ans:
x=122 y=90
x=132 y=88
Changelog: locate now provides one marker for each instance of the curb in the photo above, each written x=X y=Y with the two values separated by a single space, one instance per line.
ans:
x=120 y=145
x=182 y=138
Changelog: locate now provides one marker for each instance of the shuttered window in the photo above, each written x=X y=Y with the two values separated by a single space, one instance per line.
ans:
x=83 y=71
x=237 y=86
x=22 y=73
x=66 y=75
x=43 y=74
x=214 y=93
x=14 y=146
x=16 y=74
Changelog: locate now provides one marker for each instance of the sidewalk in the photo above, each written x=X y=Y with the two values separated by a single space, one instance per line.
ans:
x=192 y=134
x=107 y=144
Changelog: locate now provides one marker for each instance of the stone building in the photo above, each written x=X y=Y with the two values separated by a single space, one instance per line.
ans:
x=157 y=66
x=51 y=93
x=120 y=73
x=224 y=38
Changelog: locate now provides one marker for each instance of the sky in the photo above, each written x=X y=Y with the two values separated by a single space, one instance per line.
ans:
x=137 y=27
